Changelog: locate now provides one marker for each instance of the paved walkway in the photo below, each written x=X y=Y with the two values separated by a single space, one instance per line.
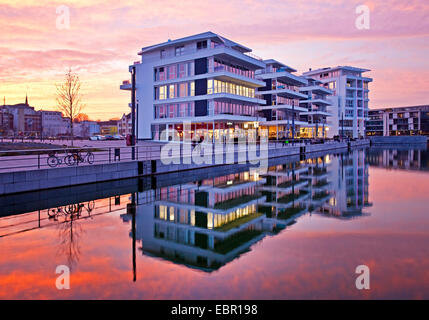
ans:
x=105 y=153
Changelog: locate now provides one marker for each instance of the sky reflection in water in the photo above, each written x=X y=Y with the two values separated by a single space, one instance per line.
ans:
x=232 y=235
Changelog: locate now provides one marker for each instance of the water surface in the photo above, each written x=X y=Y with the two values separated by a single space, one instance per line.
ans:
x=295 y=230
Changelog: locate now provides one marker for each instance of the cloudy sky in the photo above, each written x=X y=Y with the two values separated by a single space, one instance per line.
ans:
x=105 y=36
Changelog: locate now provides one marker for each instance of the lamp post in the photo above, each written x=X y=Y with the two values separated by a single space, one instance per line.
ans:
x=133 y=112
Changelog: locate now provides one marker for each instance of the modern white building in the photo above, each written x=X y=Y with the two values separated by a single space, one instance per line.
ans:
x=204 y=79
x=282 y=100
x=349 y=101
x=316 y=110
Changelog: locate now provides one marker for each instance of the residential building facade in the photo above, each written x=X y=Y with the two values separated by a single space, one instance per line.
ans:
x=26 y=120
x=52 y=124
x=349 y=101
x=412 y=120
x=375 y=123
x=282 y=100
x=316 y=112
x=205 y=80
x=125 y=125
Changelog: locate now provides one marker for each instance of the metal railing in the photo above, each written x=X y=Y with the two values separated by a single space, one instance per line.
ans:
x=33 y=159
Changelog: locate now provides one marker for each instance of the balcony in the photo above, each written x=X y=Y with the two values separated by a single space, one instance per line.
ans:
x=316 y=89
x=236 y=76
x=126 y=85
x=283 y=76
x=317 y=102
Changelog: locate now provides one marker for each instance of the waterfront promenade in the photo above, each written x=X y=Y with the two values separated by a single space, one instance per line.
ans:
x=22 y=173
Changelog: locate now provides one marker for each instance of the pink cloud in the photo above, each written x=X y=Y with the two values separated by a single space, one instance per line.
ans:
x=106 y=35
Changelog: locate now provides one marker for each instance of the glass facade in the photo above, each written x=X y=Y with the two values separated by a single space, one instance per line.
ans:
x=221 y=107
x=176 y=90
x=216 y=65
x=218 y=86
x=177 y=110
x=174 y=71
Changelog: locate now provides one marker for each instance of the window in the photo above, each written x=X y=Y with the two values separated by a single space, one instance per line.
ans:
x=162 y=75
x=172 y=71
x=179 y=51
x=163 y=54
x=171 y=91
x=210 y=86
x=202 y=45
x=183 y=89
x=182 y=70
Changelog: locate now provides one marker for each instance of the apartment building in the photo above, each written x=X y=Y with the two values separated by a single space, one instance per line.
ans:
x=6 y=123
x=282 y=100
x=51 y=123
x=349 y=101
x=375 y=123
x=316 y=110
x=125 y=125
x=205 y=80
x=412 y=120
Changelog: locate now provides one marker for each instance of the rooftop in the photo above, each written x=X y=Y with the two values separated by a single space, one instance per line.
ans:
x=200 y=36
x=348 y=68
x=277 y=64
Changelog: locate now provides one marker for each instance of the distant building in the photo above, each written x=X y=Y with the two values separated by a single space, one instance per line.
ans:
x=6 y=122
x=375 y=123
x=125 y=125
x=108 y=127
x=26 y=120
x=413 y=120
x=86 y=128
x=52 y=123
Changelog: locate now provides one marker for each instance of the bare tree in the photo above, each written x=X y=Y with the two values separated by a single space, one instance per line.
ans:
x=69 y=98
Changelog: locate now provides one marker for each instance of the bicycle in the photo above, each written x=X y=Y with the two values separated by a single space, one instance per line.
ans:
x=53 y=160
x=76 y=156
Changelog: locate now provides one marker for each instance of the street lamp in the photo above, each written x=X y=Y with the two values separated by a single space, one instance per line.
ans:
x=133 y=112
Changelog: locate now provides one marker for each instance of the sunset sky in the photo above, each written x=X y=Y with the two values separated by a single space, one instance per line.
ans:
x=105 y=36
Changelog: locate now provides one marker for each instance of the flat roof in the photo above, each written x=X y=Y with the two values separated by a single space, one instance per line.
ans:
x=424 y=106
x=349 y=68
x=200 y=36
x=278 y=64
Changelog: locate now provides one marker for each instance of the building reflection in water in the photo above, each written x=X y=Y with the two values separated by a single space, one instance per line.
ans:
x=349 y=186
x=207 y=223
x=407 y=159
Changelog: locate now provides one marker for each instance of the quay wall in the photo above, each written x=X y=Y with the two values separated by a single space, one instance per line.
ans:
x=398 y=140
x=33 y=180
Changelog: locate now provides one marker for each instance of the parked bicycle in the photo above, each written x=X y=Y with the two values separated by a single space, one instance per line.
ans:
x=72 y=158
x=54 y=160
x=79 y=156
